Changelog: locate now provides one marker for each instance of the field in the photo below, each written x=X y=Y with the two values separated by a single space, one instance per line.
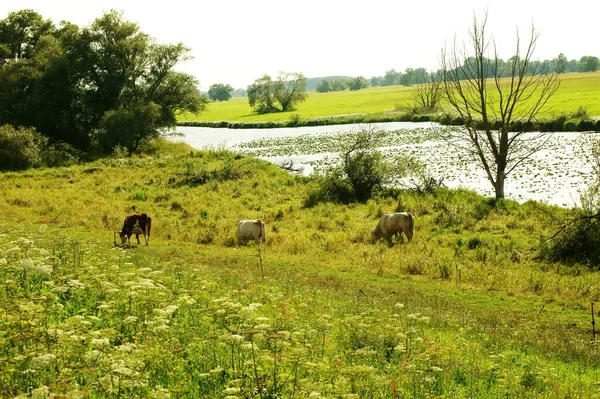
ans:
x=465 y=310
x=576 y=90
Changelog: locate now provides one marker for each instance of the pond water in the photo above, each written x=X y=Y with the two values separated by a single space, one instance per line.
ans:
x=555 y=175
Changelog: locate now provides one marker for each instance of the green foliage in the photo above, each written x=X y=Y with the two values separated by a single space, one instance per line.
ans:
x=220 y=92
x=358 y=83
x=20 y=148
x=267 y=95
x=360 y=174
x=77 y=85
x=577 y=240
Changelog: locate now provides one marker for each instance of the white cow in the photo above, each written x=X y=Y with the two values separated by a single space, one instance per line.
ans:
x=251 y=230
x=391 y=224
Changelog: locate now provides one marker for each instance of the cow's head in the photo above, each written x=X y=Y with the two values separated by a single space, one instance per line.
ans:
x=375 y=233
x=123 y=236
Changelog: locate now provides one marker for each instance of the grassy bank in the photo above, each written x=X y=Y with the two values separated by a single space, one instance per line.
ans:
x=463 y=311
x=383 y=104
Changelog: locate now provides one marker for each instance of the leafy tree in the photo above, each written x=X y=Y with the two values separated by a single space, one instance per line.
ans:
x=71 y=84
x=589 y=64
x=20 y=148
x=220 y=92
x=268 y=95
x=391 y=78
x=20 y=31
x=573 y=66
x=490 y=107
x=376 y=81
x=360 y=82
x=239 y=93
x=560 y=63
x=339 y=85
x=324 y=86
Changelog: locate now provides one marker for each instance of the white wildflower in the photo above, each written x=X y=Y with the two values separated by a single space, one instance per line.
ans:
x=40 y=393
x=42 y=361
x=129 y=320
x=100 y=342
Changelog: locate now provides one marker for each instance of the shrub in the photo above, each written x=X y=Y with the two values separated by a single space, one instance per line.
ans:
x=20 y=148
x=360 y=174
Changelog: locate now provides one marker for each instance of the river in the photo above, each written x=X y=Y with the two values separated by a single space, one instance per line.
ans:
x=555 y=175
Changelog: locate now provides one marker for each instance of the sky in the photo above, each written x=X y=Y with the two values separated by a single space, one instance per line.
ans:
x=237 y=41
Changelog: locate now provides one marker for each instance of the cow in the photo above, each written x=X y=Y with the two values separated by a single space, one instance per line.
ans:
x=251 y=230
x=392 y=224
x=136 y=224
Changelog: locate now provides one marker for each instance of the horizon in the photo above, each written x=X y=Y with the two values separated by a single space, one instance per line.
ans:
x=230 y=47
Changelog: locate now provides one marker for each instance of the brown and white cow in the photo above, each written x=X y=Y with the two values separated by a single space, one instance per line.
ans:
x=136 y=224
x=251 y=230
x=394 y=224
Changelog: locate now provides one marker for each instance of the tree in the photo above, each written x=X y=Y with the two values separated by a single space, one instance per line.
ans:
x=589 y=63
x=560 y=63
x=360 y=82
x=339 y=85
x=324 y=86
x=427 y=94
x=491 y=108
x=20 y=31
x=220 y=92
x=391 y=78
x=74 y=85
x=268 y=95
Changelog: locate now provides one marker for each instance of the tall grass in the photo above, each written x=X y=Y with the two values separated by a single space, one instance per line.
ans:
x=465 y=310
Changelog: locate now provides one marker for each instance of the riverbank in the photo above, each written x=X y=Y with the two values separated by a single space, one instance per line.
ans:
x=562 y=123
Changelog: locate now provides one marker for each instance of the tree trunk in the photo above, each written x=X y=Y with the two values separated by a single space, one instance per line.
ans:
x=499 y=184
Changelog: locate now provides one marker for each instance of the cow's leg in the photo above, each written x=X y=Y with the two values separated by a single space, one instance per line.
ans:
x=137 y=236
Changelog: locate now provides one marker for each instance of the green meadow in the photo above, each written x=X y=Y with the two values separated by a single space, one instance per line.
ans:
x=577 y=90
x=465 y=310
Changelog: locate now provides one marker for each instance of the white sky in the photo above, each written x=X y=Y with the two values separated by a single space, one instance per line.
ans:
x=237 y=41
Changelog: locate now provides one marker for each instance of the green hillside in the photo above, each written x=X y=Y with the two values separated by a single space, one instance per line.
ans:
x=577 y=91
x=465 y=310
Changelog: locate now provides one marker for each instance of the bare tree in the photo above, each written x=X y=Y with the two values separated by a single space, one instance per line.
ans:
x=428 y=93
x=494 y=97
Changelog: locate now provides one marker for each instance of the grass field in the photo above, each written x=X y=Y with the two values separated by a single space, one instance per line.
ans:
x=576 y=90
x=465 y=310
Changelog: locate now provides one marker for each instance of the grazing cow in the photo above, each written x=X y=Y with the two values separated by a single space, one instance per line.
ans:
x=251 y=230
x=394 y=224
x=136 y=224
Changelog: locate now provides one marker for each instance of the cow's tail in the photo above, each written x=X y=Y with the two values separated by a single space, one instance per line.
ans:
x=148 y=228
x=263 y=233
x=411 y=225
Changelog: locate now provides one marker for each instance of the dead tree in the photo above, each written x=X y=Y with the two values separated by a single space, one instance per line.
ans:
x=496 y=100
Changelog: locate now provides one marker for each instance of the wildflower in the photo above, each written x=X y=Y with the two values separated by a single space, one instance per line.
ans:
x=100 y=342
x=253 y=306
x=232 y=390
x=160 y=393
x=42 y=361
x=436 y=369
x=40 y=393
x=25 y=241
x=215 y=371
x=129 y=320
x=3 y=261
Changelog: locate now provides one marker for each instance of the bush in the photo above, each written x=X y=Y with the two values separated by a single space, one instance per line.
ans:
x=576 y=242
x=20 y=148
x=359 y=175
